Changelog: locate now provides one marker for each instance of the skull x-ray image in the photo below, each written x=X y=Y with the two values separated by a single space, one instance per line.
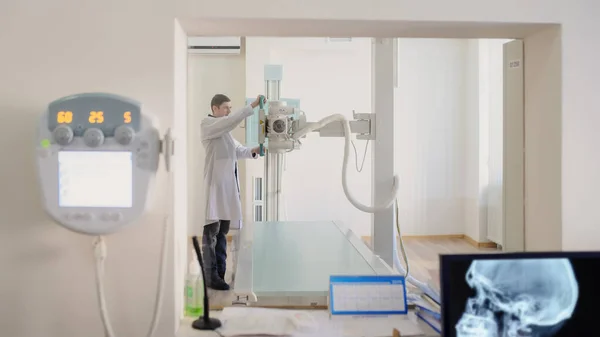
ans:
x=533 y=297
x=528 y=293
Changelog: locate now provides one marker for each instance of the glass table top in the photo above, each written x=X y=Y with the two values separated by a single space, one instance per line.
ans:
x=295 y=258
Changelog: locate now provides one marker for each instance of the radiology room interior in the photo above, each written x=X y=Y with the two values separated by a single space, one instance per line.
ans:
x=448 y=136
x=443 y=97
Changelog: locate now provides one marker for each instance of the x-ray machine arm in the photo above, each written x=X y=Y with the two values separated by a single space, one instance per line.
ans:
x=284 y=126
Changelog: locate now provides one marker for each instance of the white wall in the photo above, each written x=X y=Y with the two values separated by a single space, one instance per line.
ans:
x=209 y=75
x=431 y=134
x=47 y=285
x=550 y=143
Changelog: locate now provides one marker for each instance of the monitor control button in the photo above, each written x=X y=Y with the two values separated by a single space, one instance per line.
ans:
x=93 y=137
x=124 y=135
x=63 y=135
x=116 y=217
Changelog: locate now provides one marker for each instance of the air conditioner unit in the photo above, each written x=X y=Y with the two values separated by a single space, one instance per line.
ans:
x=215 y=45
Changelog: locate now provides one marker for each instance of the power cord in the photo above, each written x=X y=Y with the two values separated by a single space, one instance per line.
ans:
x=101 y=253
x=402 y=250
x=359 y=170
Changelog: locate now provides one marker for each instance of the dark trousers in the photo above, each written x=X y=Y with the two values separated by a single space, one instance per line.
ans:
x=214 y=249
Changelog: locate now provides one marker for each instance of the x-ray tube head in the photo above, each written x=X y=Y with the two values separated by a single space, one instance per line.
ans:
x=280 y=122
x=528 y=297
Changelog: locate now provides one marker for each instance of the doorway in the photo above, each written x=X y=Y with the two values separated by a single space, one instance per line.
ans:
x=542 y=94
x=450 y=134
x=540 y=67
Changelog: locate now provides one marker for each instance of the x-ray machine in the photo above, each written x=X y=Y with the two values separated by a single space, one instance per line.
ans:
x=277 y=127
x=279 y=263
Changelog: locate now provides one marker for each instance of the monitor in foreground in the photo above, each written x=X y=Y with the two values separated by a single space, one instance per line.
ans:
x=525 y=294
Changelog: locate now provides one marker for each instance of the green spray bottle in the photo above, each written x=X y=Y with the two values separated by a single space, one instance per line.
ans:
x=194 y=290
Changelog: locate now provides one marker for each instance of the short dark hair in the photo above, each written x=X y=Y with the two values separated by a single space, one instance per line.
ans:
x=218 y=99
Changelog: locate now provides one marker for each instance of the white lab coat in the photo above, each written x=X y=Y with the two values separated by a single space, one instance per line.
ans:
x=221 y=190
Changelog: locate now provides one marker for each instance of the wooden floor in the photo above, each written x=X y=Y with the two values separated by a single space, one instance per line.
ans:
x=423 y=255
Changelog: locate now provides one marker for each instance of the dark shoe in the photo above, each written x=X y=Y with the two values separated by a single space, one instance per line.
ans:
x=217 y=283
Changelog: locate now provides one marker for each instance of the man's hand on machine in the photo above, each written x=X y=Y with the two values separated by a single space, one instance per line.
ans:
x=257 y=101
x=255 y=152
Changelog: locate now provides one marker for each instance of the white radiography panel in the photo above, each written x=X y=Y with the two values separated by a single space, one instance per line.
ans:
x=108 y=174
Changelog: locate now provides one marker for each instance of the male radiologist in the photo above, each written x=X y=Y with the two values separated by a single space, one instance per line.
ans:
x=222 y=191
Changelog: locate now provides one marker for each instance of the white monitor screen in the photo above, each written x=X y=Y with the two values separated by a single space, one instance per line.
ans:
x=95 y=179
